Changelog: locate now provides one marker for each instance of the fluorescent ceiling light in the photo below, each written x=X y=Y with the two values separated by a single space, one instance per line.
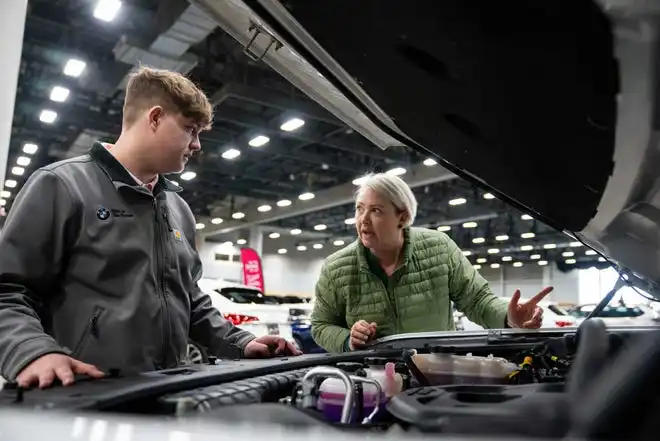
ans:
x=517 y=264
x=542 y=262
x=217 y=221
x=549 y=246
x=493 y=251
x=494 y=265
x=241 y=241
x=174 y=182
x=527 y=235
x=457 y=201
x=320 y=227
x=295 y=231
x=535 y=256
x=306 y=196
x=59 y=94
x=2 y=202
x=301 y=248
x=200 y=226
x=481 y=260
x=18 y=171
x=283 y=203
x=429 y=162
x=238 y=215
x=570 y=261
x=397 y=171
x=338 y=243
x=576 y=244
x=444 y=228
x=467 y=253
x=292 y=124
x=489 y=196
x=258 y=141
x=470 y=225
x=5 y=194
x=526 y=248
x=47 y=116
x=281 y=251
x=274 y=235
x=502 y=237
x=478 y=240
x=507 y=258
x=601 y=259
x=568 y=254
x=318 y=246
x=106 y=10
x=74 y=68
x=188 y=176
x=231 y=154
x=264 y=208
x=30 y=148
x=526 y=217
x=10 y=183
x=23 y=161
x=359 y=181
x=590 y=253
x=476 y=267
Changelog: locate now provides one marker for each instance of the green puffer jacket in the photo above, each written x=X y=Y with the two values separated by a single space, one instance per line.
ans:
x=434 y=273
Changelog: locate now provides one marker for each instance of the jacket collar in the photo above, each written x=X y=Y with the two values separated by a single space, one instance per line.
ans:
x=362 y=251
x=118 y=173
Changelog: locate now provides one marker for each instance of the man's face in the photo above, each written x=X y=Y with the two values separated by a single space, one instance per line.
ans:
x=175 y=139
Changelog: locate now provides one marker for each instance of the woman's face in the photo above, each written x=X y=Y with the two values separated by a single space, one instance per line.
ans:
x=377 y=221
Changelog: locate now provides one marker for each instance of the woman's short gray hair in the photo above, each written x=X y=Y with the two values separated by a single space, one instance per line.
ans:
x=393 y=188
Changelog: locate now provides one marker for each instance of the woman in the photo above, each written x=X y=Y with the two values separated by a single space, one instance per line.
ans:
x=398 y=279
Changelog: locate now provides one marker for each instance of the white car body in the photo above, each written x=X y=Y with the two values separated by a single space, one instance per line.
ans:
x=265 y=319
x=551 y=319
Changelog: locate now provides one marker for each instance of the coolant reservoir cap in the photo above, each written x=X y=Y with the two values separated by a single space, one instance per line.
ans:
x=376 y=361
x=442 y=349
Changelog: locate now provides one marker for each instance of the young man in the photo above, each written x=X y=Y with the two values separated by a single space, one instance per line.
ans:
x=98 y=266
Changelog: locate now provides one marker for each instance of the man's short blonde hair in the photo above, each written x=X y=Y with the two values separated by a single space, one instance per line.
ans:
x=148 y=87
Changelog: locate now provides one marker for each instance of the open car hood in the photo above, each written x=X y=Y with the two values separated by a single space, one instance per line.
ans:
x=552 y=106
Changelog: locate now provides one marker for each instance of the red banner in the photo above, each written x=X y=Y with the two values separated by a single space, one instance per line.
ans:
x=253 y=274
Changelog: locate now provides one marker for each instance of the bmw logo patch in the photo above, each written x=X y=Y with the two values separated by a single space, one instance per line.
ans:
x=103 y=213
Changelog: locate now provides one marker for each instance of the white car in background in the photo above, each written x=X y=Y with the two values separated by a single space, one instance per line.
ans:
x=619 y=315
x=259 y=319
x=553 y=317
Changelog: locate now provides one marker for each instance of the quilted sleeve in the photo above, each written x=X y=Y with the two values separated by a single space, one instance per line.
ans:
x=471 y=293
x=329 y=328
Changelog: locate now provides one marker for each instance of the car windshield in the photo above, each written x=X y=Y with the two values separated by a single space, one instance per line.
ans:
x=239 y=295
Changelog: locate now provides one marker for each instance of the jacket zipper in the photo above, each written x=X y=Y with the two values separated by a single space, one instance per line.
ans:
x=90 y=329
x=160 y=257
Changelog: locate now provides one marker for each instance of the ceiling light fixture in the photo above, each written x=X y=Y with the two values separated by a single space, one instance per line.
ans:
x=283 y=203
x=47 y=116
x=338 y=243
x=18 y=171
x=478 y=240
x=217 y=220
x=590 y=253
x=295 y=231
x=482 y=260
x=526 y=248
x=200 y=226
x=359 y=181
x=502 y=237
x=301 y=248
x=3 y=202
x=350 y=221
x=59 y=94
x=231 y=154
x=527 y=235
x=470 y=225
x=576 y=244
x=444 y=228
x=320 y=227
x=318 y=246
x=10 y=183
x=397 y=171
x=476 y=267
x=467 y=252
x=507 y=258
x=535 y=256
x=281 y=251
x=274 y=235
x=489 y=196
x=74 y=67
x=259 y=141
x=30 y=149
x=238 y=215
x=549 y=246
x=5 y=194
x=430 y=162
x=241 y=241
x=568 y=254
x=188 y=176
x=106 y=10
x=306 y=196
x=542 y=262
x=23 y=161
x=457 y=201
x=494 y=265
x=493 y=251
x=526 y=217
x=517 y=264
x=570 y=261
x=292 y=124
x=264 y=208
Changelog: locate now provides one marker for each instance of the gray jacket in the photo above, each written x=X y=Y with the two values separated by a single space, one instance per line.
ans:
x=97 y=267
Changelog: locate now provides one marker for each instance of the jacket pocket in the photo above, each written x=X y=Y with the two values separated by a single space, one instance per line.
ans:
x=91 y=329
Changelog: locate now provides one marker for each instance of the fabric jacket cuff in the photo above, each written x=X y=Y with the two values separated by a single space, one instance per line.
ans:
x=27 y=351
